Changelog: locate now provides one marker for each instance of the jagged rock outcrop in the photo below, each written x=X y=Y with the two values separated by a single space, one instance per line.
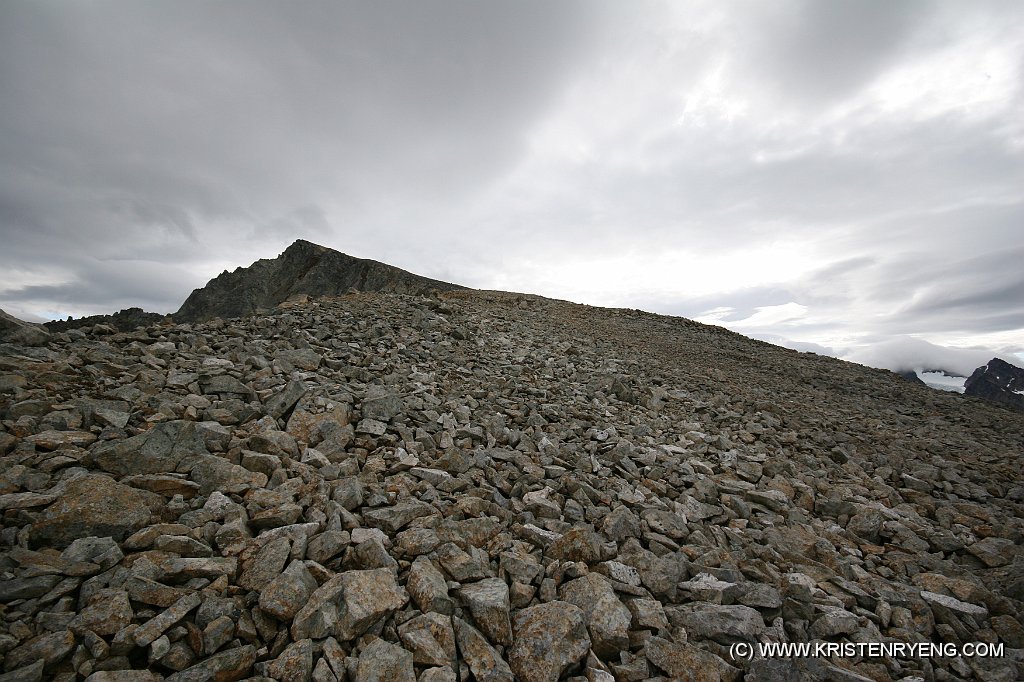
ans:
x=13 y=330
x=998 y=381
x=123 y=320
x=485 y=486
x=303 y=268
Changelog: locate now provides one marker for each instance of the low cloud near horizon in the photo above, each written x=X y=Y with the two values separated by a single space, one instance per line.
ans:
x=841 y=177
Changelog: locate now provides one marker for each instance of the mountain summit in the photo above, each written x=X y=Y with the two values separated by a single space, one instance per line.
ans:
x=303 y=268
x=1000 y=382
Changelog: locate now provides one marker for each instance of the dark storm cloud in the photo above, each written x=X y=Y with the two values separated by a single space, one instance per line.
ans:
x=129 y=127
x=829 y=174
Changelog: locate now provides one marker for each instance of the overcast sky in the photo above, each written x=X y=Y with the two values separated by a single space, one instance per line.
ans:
x=842 y=176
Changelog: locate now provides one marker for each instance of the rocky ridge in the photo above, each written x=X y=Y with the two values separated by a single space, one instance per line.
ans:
x=123 y=320
x=303 y=270
x=492 y=487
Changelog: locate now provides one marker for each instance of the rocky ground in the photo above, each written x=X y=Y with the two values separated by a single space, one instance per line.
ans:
x=491 y=487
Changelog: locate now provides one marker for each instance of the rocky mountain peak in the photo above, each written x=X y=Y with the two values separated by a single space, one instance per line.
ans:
x=1000 y=382
x=303 y=268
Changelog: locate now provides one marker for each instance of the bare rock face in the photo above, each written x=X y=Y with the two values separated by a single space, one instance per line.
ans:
x=492 y=487
x=303 y=269
x=1000 y=382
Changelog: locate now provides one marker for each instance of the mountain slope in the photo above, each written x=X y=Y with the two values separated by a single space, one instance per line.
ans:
x=303 y=268
x=527 y=488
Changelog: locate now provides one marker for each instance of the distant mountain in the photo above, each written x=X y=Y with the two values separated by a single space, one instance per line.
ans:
x=13 y=330
x=303 y=268
x=1000 y=382
x=911 y=375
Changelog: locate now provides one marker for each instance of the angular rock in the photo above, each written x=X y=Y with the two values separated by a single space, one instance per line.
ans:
x=228 y=665
x=156 y=626
x=393 y=519
x=488 y=602
x=685 y=661
x=285 y=594
x=50 y=648
x=166 y=448
x=607 y=618
x=548 y=638
x=295 y=664
x=94 y=505
x=383 y=661
x=724 y=624
x=428 y=588
x=107 y=613
x=431 y=639
x=266 y=565
x=994 y=552
x=348 y=604
x=485 y=662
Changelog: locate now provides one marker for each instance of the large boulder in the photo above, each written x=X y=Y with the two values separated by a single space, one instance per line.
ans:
x=94 y=505
x=166 y=448
x=21 y=333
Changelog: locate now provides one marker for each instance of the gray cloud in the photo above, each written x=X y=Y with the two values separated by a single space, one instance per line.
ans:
x=831 y=175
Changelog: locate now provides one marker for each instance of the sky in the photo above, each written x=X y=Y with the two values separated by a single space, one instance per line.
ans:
x=844 y=177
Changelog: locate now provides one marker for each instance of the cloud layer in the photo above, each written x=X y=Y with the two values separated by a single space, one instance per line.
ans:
x=832 y=176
